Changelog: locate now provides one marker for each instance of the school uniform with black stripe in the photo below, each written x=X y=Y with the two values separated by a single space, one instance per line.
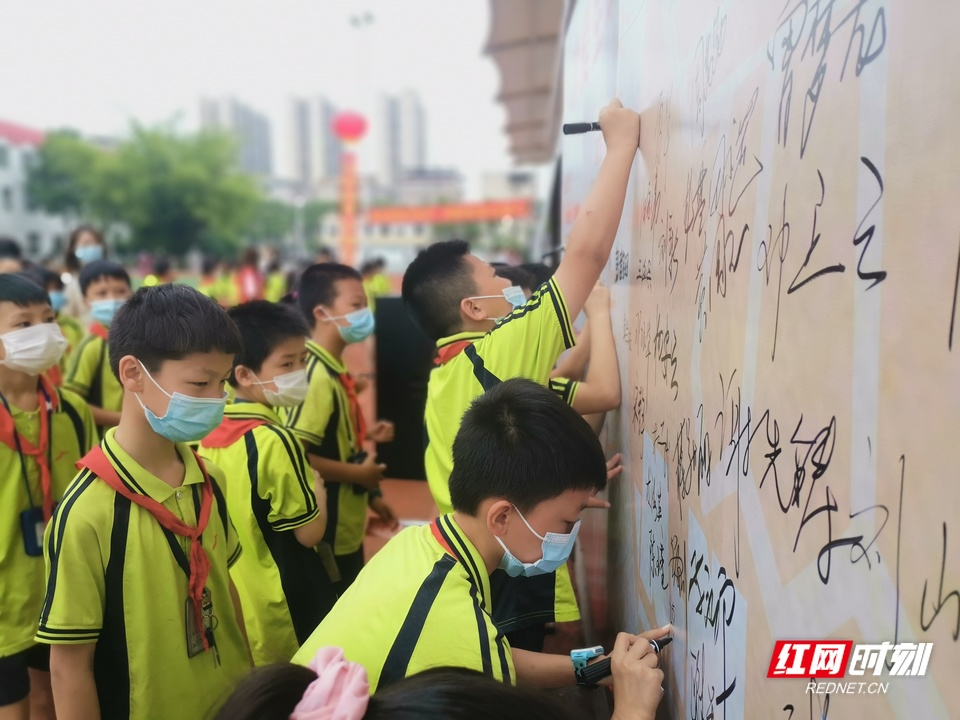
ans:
x=284 y=589
x=324 y=423
x=525 y=344
x=70 y=433
x=89 y=374
x=423 y=601
x=116 y=577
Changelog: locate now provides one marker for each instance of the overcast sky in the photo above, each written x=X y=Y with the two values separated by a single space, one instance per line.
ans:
x=97 y=64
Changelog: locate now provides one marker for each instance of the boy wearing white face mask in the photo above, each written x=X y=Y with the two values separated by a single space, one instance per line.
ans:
x=330 y=422
x=43 y=432
x=524 y=467
x=276 y=501
x=141 y=615
x=106 y=287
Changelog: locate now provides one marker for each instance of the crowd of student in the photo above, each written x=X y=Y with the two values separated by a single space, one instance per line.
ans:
x=185 y=482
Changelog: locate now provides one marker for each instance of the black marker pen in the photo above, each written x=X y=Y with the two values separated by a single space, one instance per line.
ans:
x=592 y=674
x=577 y=128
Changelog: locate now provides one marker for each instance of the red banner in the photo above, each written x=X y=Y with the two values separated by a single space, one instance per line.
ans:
x=460 y=212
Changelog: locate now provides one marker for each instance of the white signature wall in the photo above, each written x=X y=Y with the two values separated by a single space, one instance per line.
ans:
x=785 y=283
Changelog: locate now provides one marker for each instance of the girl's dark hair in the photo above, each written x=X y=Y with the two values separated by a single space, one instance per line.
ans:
x=459 y=694
x=72 y=263
x=268 y=693
x=272 y=693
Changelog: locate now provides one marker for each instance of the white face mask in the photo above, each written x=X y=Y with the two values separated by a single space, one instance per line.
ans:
x=33 y=349
x=291 y=389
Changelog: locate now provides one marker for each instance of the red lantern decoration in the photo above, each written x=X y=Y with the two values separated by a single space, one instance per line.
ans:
x=349 y=126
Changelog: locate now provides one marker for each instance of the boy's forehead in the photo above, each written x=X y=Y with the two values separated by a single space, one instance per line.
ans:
x=479 y=266
x=293 y=345
x=210 y=363
x=10 y=309
x=345 y=286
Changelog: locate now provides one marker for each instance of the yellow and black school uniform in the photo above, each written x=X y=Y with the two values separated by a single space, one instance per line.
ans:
x=284 y=589
x=331 y=425
x=73 y=331
x=118 y=578
x=437 y=611
x=89 y=374
x=37 y=455
x=524 y=344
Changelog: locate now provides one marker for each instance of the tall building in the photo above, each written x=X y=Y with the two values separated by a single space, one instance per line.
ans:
x=251 y=128
x=40 y=235
x=400 y=145
x=314 y=148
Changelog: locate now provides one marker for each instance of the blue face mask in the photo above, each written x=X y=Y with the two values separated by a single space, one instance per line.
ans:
x=556 y=550
x=58 y=298
x=513 y=295
x=187 y=419
x=360 y=328
x=103 y=310
x=89 y=253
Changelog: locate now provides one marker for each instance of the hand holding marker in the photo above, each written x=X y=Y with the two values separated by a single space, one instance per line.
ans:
x=601 y=669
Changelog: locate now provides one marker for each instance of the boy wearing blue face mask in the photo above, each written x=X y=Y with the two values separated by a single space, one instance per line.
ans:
x=106 y=287
x=525 y=466
x=141 y=615
x=483 y=338
x=330 y=422
x=276 y=501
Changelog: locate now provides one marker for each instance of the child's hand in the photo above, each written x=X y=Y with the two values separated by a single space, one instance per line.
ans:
x=385 y=513
x=382 y=432
x=637 y=678
x=598 y=302
x=614 y=466
x=620 y=126
x=371 y=472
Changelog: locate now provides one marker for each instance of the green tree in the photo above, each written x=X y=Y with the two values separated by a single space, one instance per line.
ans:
x=175 y=192
x=271 y=221
x=64 y=176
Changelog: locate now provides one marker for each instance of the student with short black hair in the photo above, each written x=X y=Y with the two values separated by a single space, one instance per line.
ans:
x=105 y=286
x=276 y=501
x=487 y=332
x=44 y=431
x=525 y=467
x=330 y=422
x=140 y=612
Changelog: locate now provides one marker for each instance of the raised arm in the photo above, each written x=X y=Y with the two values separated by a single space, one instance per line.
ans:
x=595 y=228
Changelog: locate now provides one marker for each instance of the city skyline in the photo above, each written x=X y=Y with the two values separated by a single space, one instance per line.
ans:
x=160 y=58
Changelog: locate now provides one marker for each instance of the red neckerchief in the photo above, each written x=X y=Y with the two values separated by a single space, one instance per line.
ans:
x=99 y=330
x=230 y=430
x=96 y=462
x=47 y=399
x=55 y=376
x=449 y=352
x=359 y=423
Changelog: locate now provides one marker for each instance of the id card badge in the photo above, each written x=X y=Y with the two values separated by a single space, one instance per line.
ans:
x=32 y=526
x=194 y=638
